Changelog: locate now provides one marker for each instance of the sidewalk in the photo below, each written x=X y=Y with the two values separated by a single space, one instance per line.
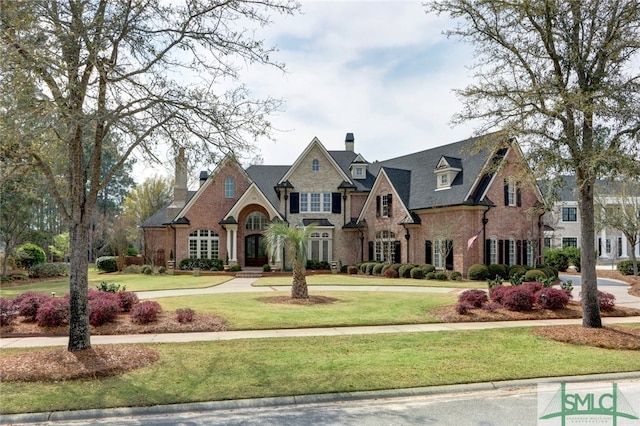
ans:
x=29 y=342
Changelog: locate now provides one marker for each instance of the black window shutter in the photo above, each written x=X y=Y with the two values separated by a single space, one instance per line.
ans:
x=518 y=195
x=371 y=250
x=294 y=202
x=336 y=202
x=389 y=205
x=501 y=252
x=377 y=206
x=428 y=252
x=519 y=253
x=487 y=252
x=397 y=252
x=506 y=194
x=449 y=259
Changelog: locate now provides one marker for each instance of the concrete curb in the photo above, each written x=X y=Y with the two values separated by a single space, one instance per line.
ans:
x=62 y=416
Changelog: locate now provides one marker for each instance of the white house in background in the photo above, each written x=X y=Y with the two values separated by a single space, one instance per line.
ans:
x=562 y=224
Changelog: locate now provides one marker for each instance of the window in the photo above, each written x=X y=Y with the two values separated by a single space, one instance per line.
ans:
x=385 y=246
x=607 y=246
x=569 y=214
x=315 y=165
x=547 y=242
x=315 y=202
x=320 y=246
x=229 y=188
x=511 y=253
x=509 y=192
x=203 y=244
x=529 y=251
x=444 y=179
x=569 y=242
x=493 y=251
x=438 y=248
x=359 y=171
x=619 y=246
x=256 y=221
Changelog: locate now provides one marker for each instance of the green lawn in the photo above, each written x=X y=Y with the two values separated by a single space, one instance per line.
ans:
x=208 y=371
x=133 y=282
x=361 y=280
x=244 y=311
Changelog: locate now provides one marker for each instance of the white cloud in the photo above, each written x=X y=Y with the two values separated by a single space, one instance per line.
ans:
x=382 y=70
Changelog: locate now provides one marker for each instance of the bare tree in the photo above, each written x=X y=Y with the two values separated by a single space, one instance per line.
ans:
x=560 y=76
x=150 y=73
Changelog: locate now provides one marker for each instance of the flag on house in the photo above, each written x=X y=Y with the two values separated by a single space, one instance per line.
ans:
x=473 y=239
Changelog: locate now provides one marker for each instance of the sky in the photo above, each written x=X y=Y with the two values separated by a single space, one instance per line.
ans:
x=382 y=70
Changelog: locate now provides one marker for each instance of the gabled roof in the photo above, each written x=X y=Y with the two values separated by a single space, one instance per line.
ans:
x=159 y=218
x=423 y=180
x=315 y=142
x=399 y=178
x=266 y=177
x=344 y=159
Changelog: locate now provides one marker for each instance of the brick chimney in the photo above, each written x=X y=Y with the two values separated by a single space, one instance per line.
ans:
x=179 y=188
x=349 y=142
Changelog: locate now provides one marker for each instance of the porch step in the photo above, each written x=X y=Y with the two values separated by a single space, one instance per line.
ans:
x=249 y=274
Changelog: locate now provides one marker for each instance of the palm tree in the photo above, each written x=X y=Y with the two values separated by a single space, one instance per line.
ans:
x=295 y=241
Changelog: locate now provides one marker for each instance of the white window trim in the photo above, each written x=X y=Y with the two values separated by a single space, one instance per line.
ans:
x=229 y=187
x=212 y=239
x=305 y=202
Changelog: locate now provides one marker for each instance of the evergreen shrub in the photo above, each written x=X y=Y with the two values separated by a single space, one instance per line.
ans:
x=478 y=272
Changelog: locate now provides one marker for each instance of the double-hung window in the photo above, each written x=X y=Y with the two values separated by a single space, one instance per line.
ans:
x=315 y=202
x=569 y=214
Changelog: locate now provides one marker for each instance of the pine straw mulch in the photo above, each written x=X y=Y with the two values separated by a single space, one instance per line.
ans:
x=53 y=365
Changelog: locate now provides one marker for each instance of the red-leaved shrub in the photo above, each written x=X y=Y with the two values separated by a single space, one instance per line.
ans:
x=145 y=312
x=184 y=315
x=607 y=301
x=532 y=287
x=126 y=300
x=53 y=312
x=497 y=292
x=28 y=304
x=8 y=311
x=518 y=299
x=474 y=297
x=352 y=270
x=103 y=307
x=552 y=298
x=391 y=273
x=462 y=308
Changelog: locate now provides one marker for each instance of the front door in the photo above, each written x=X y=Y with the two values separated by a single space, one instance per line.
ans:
x=255 y=253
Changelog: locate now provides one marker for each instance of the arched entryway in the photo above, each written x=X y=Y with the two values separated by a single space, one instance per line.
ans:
x=255 y=252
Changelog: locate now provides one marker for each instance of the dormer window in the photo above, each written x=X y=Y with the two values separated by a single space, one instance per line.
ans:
x=446 y=171
x=358 y=168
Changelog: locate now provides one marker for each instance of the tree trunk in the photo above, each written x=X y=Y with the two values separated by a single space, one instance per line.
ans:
x=632 y=254
x=299 y=288
x=79 y=332
x=590 y=305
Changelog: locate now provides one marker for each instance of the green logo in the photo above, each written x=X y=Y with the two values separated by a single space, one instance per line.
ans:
x=588 y=405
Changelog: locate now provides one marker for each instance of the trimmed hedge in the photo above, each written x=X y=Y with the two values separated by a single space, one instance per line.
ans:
x=534 y=275
x=478 y=272
x=391 y=273
x=496 y=270
x=107 y=264
x=625 y=267
x=47 y=270
x=190 y=264
x=417 y=273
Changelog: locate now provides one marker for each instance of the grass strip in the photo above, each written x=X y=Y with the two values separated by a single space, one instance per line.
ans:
x=245 y=311
x=208 y=371
x=133 y=282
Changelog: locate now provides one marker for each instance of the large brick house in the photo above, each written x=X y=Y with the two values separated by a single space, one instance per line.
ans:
x=451 y=206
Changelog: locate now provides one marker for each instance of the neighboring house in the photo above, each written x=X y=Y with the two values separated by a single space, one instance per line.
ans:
x=451 y=206
x=562 y=224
